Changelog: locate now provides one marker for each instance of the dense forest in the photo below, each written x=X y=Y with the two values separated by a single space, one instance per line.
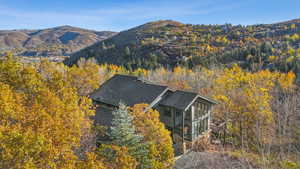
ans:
x=45 y=117
x=169 y=44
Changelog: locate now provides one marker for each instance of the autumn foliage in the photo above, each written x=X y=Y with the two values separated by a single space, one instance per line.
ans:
x=42 y=116
x=245 y=102
x=154 y=132
x=45 y=110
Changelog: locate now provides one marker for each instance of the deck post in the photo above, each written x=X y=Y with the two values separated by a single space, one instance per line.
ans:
x=183 y=144
x=174 y=125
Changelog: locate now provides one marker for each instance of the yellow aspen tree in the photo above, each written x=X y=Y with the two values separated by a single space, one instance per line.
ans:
x=42 y=117
x=149 y=125
x=245 y=100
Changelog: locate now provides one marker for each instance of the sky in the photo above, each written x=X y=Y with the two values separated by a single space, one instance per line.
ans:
x=118 y=15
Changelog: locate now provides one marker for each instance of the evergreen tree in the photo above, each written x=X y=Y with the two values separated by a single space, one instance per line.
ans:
x=127 y=51
x=123 y=133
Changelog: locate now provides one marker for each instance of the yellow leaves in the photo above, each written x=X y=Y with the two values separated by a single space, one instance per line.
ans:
x=293 y=26
x=85 y=77
x=10 y=107
x=208 y=72
x=209 y=48
x=294 y=37
x=119 y=157
x=288 y=164
x=291 y=51
x=140 y=72
x=286 y=81
x=290 y=59
x=222 y=98
x=91 y=162
x=263 y=89
x=222 y=39
x=245 y=97
x=272 y=58
x=41 y=116
x=149 y=125
x=124 y=160
x=115 y=68
x=232 y=78
x=178 y=70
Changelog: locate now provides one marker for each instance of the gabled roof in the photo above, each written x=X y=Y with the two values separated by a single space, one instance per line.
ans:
x=178 y=99
x=129 y=90
x=182 y=99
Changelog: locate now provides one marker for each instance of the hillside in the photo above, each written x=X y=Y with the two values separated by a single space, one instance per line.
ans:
x=208 y=160
x=58 y=41
x=169 y=43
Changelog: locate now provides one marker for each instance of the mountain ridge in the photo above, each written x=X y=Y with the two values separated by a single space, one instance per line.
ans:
x=167 y=43
x=56 y=41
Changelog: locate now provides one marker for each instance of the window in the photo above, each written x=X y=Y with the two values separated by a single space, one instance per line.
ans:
x=201 y=119
x=167 y=113
x=188 y=115
x=187 y=132
x=200 y=127
x=178 y=114
x=200 y=110
x=195 y=130
x=206 y=123
x=203 y=110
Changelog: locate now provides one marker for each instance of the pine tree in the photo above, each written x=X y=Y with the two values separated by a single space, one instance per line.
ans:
x=123 y=133
x=127 y=51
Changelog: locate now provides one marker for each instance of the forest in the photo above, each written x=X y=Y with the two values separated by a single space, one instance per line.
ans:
x=168 y=44
x=45 y=116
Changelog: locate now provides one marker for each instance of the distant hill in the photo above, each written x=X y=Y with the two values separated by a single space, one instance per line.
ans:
x=169 y=43
x=58 y=41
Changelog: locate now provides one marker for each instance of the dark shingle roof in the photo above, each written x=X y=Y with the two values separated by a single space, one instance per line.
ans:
x=182 y=99
x=128 y=90
x=178 y=99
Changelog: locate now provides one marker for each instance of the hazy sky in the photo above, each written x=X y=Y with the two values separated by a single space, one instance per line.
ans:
x=119 y=15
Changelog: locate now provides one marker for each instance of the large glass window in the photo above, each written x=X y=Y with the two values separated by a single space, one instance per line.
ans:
x=200 y=109
x=178 y=113
x=188 y=115
x=201 y=117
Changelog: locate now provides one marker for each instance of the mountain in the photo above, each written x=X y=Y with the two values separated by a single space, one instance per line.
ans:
x=169 y=43
x=58 y=41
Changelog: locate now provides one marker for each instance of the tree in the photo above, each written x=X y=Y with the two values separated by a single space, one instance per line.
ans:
x=123 y=134
x=147 y=123
x=285 y=105
x=127 y=51
x=41 y=116
x=246 y=100
x=117 y=157
x=85 y=77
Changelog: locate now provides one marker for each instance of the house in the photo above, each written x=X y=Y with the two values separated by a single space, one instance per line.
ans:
x=187 y=115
